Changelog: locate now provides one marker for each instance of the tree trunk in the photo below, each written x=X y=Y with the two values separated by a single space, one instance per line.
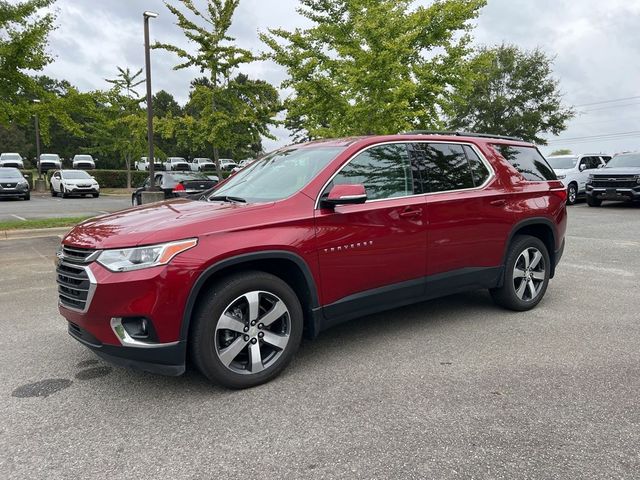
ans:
x=127 y=161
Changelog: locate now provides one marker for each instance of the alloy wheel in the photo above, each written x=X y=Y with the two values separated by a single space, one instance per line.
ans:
x=572 y=194
x=252 y=332
x=529 y=274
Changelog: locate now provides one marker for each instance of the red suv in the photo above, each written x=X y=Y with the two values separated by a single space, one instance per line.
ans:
x=305 y=238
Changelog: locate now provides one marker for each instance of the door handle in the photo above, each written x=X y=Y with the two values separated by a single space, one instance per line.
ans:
x=409 y=213
x=497 y=203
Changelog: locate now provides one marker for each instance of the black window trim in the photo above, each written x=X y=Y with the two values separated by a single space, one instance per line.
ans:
x=474 y=147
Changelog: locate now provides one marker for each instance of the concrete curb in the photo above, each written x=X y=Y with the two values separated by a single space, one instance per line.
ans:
x=18 y=234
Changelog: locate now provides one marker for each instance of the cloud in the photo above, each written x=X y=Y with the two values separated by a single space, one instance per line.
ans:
x=595 y=44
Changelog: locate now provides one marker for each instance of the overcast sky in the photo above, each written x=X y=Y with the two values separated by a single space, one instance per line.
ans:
x=596 y=44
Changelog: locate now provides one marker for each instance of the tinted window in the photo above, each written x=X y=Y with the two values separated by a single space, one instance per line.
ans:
x=479 y=170
x=593 y=162
x=444 y=166
x=528 y=161
x=385 y=171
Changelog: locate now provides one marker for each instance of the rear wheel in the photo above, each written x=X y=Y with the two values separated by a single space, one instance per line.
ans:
x=246 y=330
x=572 y=194
x=53 y=192
x=526 y=274
x=593 y=202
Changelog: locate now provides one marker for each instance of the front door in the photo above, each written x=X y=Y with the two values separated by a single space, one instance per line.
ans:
x=374 y=252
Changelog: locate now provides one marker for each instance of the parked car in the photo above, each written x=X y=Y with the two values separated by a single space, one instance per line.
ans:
x=618 y=180
x=574 y=170
x=242 y=164
x=49 y=161
x=305 y=238
x=177 y=163
x=14 y=160
x=143 y=164
x=227 y=164
x=73 y=182
x=13 y=183
x=176 y=184
x=83 y=162
x=202 y=164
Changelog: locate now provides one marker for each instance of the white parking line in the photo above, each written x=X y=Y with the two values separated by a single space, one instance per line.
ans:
x=18 y=217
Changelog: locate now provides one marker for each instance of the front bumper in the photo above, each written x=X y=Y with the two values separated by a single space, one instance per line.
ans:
x=14 y=192
x=74 y=190
x=615 y=193
x=157 y=294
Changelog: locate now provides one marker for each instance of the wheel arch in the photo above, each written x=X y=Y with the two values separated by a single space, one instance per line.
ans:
x=286 y=265
x=539 y=227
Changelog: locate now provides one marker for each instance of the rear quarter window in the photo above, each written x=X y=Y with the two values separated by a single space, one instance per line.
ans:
x=528 y=161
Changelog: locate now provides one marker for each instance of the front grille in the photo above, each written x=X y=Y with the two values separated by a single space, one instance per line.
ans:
x=625 y=181
x=9 y=185
x=74 y=286
x=78 y=255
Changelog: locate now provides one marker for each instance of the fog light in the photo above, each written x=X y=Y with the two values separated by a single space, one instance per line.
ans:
x=139 y=328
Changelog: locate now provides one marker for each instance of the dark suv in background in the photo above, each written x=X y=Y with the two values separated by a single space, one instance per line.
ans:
x=307 y=237
x=618 y=180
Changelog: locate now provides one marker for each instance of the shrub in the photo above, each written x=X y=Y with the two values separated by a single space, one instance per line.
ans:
x=118 y=178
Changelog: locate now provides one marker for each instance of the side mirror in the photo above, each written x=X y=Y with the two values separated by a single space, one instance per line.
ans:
x=348 y=194
x=582 y=167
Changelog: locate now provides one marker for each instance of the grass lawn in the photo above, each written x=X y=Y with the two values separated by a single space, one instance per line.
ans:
x=40 y=223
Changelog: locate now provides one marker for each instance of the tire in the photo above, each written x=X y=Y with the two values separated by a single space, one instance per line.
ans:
x=516 y=291
x=593 y=202
x=95 y=195
x=572 y=194
x=223 y=346
x=134 y=200
x=63 y=192
x=27 y=196
x=53 y=192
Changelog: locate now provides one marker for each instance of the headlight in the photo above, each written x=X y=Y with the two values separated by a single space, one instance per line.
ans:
x=127 y=259
x=561 y=177
x=637 y=178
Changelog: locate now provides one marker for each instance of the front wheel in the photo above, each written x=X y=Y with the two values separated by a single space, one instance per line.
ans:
x=95 y=195
x=27 y=196
x=526 y=275
x=572 y=194
x=593 y=202
x=246 y=330
x=64 y=192
x=134 y=200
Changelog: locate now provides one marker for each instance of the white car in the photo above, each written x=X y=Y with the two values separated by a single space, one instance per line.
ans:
x=14 y=160
x=200 y=164
x=73 y=182
x=177 y=163
x=84 y=162
x=143 y=165
x=242 y=164
x=49 y=161
x=574 y=170
x=227 y=164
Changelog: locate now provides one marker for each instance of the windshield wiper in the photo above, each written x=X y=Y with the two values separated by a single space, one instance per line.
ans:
x=226 y=198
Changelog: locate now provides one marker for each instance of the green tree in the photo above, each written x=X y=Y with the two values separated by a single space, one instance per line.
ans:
x=218 y=57
x=23 y=43
x=371 y=66
x=562 y=151
x=510 y=92
x=127 y=81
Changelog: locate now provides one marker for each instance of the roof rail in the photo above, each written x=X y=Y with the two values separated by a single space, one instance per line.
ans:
x=460 y=134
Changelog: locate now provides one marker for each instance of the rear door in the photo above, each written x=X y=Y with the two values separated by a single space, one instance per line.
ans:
x=469 y=221
x=374 y=253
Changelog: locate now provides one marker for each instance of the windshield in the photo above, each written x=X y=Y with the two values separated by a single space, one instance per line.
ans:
x=50 y=156
x=185 y=177
x=10 y=156
x=278 y=175
x=627 y=160
x=76 y=175
x=176 y=159
x=83 y=157
x=10 y=173
x=561 y=163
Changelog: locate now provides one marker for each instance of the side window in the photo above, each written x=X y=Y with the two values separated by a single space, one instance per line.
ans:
x=606 y=159
x=479 y=170
x=528 y=161
x=445 y=166
x=384 y=170
x=593 y=162
x=584 y=161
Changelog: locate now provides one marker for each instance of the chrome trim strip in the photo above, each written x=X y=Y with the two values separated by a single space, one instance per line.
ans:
x=92 y=287
x=127 y=341
x=481 y=156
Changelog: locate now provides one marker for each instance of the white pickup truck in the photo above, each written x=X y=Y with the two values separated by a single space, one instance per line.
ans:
x=201 y=164
x=177 y=163
x=83 y=162
x=11 y=160
x=573 y=171
x=143 y=164
x=49 y=161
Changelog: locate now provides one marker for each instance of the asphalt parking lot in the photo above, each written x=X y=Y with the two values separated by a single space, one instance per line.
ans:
x=448 y=389
x=46 y=206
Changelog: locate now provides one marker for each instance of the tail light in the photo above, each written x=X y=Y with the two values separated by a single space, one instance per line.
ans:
x=179 y=188
x=560 y=193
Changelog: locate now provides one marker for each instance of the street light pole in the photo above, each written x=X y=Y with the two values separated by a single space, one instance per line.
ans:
x=36 y=101
x=147 y=61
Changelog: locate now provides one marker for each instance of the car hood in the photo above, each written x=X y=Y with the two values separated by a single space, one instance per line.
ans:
x=76 y=181
x=160 y=222
x=607 y=172
x=562 y=171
